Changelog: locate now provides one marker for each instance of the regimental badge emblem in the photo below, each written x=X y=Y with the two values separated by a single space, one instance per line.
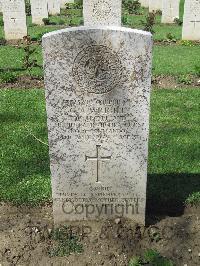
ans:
x=97 y=69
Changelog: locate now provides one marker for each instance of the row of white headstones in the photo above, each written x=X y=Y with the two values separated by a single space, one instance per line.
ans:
x=14 y=15
x=170 y=11
x=15 y=18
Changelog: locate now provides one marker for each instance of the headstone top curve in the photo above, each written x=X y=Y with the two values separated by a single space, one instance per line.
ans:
x=107 y=28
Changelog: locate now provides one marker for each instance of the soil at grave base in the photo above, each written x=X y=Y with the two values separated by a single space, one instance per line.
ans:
x=159 y=82
x=25 y=238
x=24 y=82
x=171 y=82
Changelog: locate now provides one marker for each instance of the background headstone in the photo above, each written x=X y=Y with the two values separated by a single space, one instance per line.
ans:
x=144 y=3
x=155 y=5
x=1 y=8
x=14 y=18
x=39 y=11
x=191 y=20
x=102 y=12
x=97 y=96
x=170 y=11
x=54 y=7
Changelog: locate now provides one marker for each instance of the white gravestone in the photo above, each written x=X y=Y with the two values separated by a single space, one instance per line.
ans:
x=155 y=5
x=1 y=10
x=14 y=18
x=97 y=98
x=170 y=11
x=54 y=7
x=191 y=20
x=144 y=3
x=102 y=12
x=63 y=2
x=39 y=11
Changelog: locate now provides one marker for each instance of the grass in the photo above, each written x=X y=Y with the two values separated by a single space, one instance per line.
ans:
x=151 y=257
x=35 y=30
x=24 y=160
x=173 y=154
x=65 y=242
x=175 y=60
x=174 y=146
x=167 y=60
x=173 y=161
x=193 y=199
x=175 y=127
x=160 y=29
x=74 y=17
x=11 y=58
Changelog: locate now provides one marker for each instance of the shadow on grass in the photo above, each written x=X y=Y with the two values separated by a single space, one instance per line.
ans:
x=9 y=118
x=166 y=193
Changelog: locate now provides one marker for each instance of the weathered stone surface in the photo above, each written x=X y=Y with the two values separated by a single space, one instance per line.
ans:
x=97 y=99
x=102 y=12
x=14 y=18
x=155 y=5
x=170 y=10
x=1 y=8
x=191 y=20
x=144 y=3
x=39 y=11
x=54 y=7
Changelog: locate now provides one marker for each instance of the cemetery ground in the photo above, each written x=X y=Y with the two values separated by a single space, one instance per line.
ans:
x=173 y=194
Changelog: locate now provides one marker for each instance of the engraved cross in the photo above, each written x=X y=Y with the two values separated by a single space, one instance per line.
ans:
x=171 y=9
x=98 y=159
x=14 y=19
x=195 y=21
